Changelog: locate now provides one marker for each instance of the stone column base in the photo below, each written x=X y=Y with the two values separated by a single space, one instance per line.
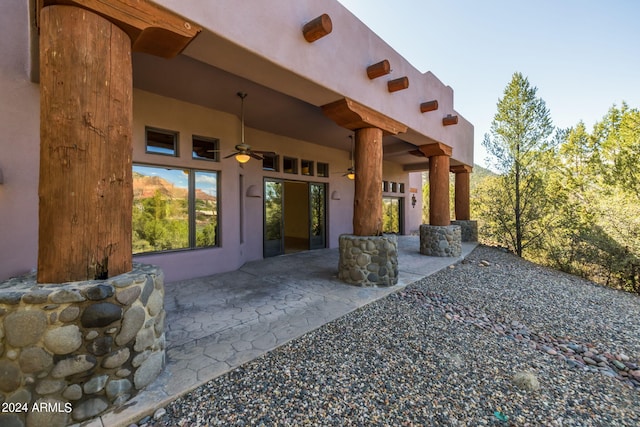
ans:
x=86 y=347
x=440 y=240
x=469 y=230
x=368 y=260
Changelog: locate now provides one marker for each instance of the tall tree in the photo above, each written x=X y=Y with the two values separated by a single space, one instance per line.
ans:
x=520 y=141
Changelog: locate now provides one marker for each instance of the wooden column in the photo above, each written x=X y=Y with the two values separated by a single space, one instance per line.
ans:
x=370 y=126
x=462 y=194
x=439 y=213
x=439 y=155
x=85 y=151
x=86 y=121
x=367 y=204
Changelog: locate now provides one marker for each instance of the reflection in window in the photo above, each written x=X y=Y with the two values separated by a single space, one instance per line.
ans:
x=206 y=208
x=323 y=170
x=163 y=218
x=270 y=162
x=160 y=141
x=391 y=215
x=205 y=148
x=307 y=167
x=290 y=165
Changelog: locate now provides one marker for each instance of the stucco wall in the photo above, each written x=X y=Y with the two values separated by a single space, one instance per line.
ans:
x=19 y=144
x=269 y=48
x=188 y=119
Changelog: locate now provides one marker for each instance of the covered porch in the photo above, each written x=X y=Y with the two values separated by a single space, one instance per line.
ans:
x=217 y=323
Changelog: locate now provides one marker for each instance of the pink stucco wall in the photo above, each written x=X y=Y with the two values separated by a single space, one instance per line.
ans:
x=19 y=143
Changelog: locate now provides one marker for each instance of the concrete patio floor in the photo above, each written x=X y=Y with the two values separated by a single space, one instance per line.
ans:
x=216 y=323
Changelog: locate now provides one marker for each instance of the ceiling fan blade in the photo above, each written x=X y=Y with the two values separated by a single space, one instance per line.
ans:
x=254 y=155
x=269 y=153
x=231 y=155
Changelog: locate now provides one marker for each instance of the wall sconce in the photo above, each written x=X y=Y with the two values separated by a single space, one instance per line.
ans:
x=335 y=195
x=413 y=201
x=252 y=191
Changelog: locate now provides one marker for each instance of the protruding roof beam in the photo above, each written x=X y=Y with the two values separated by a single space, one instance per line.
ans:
x=379 y=69
x=429 y=106
x=450 y=120
x=317 y=28
x=398 y=84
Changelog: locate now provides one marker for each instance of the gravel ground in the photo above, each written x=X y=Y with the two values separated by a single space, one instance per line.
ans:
x=445 y=352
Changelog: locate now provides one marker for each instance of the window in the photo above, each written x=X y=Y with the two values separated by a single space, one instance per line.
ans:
x=307 y=167
x=174 y=209
x=160 y=141
x=270 y=162
x=385 y=186
x=393 y=187
x=402 y=187
x=290 y=165
x=204 y=148
x=323 y=170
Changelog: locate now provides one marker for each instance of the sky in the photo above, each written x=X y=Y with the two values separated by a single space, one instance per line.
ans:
x=582 y=56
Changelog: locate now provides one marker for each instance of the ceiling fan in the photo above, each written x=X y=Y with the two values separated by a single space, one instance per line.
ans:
x=243 y=151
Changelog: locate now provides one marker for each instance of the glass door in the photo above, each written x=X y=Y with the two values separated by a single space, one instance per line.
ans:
x=273 y=218
x=317 y=212
x=392 y=215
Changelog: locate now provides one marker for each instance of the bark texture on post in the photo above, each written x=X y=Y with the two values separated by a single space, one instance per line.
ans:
x=367 y=208
x=85 y=156
x=439 y=212
x=462 y=193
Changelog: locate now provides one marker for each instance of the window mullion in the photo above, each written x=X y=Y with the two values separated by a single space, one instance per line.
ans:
x=192 y=209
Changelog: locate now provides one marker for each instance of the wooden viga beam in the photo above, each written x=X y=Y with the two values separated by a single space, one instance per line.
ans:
x=379 y=69
x=398 y=84
x=317 y=28
x=449 y=120
x=429 y=106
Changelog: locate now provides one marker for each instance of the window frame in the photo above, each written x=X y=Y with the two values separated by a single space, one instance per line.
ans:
x=176 y=141
x=216 y=148
x=191 y=209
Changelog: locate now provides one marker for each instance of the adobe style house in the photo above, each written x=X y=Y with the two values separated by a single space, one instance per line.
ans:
x=147 y=142
x=323 y=94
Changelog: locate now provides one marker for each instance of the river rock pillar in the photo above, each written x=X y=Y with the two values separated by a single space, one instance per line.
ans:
x=469 y=228
x=439 y=237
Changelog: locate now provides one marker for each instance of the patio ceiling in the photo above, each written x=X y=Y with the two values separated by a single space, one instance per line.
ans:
x=193 y=81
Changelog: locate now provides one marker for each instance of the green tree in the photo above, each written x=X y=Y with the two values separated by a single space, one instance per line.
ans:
x=521 y=143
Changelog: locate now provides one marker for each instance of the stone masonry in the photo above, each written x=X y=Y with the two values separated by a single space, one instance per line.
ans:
x=440 y=240
x=368 y=260
x=468 y=230
x=77 y=349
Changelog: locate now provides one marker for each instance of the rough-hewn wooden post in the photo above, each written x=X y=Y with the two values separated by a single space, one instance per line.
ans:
x=367 y=205
x=86 y=121
x=462 y=194
x=85 y=152
x=438 y=154
x=369 y=126
x=439 y=213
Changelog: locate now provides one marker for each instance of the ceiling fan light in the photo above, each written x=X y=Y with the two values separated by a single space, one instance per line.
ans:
x=351 y=175
x=242 y=157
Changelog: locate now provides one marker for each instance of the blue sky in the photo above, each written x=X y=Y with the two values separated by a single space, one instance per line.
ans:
x=583 y=56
